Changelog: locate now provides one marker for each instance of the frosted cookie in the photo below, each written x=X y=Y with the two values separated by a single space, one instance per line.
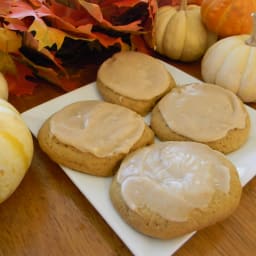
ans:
x=203 y=113
x=134 y=80
x=169 y=189
x=93 y=136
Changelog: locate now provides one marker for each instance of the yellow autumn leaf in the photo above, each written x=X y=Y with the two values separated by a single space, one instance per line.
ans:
x=10 y=41
x=47 y=36
x=7 y=64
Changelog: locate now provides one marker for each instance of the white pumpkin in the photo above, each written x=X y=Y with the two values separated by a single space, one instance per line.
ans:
x=180 y=34
x=231 y=63
x=3 y=87
x=16 y=147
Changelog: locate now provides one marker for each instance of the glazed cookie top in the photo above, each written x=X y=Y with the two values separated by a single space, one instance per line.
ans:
x=173 y=178
x=203 y=112
x=101 y=128
x=135 y=75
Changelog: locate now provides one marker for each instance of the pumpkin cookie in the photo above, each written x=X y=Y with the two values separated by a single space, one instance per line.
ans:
x=169 y=189
x=134 y=80
x=203 y=113
x=93 y=136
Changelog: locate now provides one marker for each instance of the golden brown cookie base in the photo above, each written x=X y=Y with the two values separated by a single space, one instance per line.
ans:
x=142 y=107
x=152 y=224
x=86 y=162
x=231 y=142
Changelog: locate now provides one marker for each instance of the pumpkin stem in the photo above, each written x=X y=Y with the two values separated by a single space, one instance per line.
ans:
x=252 y=40
x=183 y=5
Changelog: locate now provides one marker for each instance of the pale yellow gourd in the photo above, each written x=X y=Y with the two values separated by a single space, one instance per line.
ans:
x=3 y=87
x=16 y=149
x=180 y=34
x=231 y=63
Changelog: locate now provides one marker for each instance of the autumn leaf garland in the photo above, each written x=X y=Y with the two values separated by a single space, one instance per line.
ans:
x=42 y=28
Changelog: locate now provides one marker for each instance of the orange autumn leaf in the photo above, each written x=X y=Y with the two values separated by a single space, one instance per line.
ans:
x=106 y=40
x=35 y=3
x=66 y=19
x=18 y=83
x=4 y=7
x=67 y=83
x=19 y=9
x=139 y=44
x=18 y=14
x=95 y=11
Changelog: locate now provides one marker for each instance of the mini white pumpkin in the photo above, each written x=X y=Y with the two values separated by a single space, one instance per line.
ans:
x=16 y=147
x=180 y=34
x=231 y=63
x=3 y=87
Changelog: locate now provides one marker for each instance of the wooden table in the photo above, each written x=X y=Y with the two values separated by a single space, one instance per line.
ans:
x=47 y=215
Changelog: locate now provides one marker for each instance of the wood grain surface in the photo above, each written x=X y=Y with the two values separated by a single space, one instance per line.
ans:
x=47 y=215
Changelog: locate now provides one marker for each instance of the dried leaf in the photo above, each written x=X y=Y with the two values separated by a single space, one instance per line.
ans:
x=46 y=25
x=10 y=41
x=46 y=36
x=18 y=16
x=18 y=83
x=127 y=3
x=29 y=42
x=36 y=3
x=20 y=9
x=107 y=41
x=139 y=44
x=6 y=63
x=95 y=11
x=51 y=74
x=67 y=83
x=67 y=19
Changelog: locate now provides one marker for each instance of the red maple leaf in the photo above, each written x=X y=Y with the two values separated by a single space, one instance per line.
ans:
x=19 y=83
x=67 y=19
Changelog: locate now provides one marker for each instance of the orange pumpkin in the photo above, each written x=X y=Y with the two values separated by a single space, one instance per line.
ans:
x=228 y=17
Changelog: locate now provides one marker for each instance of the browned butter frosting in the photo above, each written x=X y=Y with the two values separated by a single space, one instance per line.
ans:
x=172 y=178
x=135 y=75
x=101 y=128
x=203 y=112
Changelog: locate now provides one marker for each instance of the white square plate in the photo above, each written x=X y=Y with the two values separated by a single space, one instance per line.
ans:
x=96 y=189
